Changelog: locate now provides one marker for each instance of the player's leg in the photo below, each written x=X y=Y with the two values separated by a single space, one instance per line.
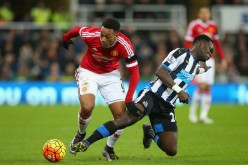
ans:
x=163 y=121
x=117 y=109
x=206 y=93
x=167 y=142
x=193 y=106
x=107 y=129
x=205 y=105
x=136 y=111
x=87 y=90
x=112 y=90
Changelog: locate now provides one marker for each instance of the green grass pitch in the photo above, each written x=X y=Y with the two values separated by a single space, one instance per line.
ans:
x=24 y=130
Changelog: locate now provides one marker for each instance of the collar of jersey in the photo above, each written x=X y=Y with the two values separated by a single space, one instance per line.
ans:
x=192 y=56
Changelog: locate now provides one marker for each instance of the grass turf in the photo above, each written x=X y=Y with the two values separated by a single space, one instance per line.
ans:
x=24 y=129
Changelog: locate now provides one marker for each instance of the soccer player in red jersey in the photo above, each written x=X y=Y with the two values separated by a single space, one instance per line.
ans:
x=98 y=71
x=204 y=25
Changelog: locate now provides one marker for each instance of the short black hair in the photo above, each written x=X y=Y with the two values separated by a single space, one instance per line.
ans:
x=202 y=37
x=111 y=23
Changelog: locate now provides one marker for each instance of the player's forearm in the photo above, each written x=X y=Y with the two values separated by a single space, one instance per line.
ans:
x=133 y=82
x=74 y=32
x=219 y=49
x=164 y=75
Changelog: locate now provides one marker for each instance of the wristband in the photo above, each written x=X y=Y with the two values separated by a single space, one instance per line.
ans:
x=176 y=88
x=201 y=70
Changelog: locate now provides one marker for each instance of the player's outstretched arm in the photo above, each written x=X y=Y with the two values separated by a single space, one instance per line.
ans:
x=66 y=38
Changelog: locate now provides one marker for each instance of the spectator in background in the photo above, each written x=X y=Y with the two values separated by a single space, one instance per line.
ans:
x=61 y=18
x=173 y=41
x=68 y=76
x=231 y=73
x=6 y=13
x=8 y=67
x=22 y=73
x=40 y=14
x=54 y=72
x=147 y=60
x=161 y=51
x=242 y=52
x=203 y=25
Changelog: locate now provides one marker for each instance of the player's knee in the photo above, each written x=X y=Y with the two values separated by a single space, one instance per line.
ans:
x=172 y=152
x=86 y=110
x=204 y=87
x=126 y=120
x=119 y=114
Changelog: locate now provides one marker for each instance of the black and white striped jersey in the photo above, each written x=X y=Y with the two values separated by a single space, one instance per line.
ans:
x=182 y=67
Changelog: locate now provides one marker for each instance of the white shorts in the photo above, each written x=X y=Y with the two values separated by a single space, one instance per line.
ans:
x=207 y=77
x=109 y=84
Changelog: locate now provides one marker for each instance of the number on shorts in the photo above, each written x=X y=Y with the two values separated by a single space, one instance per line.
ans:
x=123 y=89
x=172 y=117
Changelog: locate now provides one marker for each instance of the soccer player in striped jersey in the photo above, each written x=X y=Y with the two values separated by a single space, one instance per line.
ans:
x=158 y=98
x=98 y=71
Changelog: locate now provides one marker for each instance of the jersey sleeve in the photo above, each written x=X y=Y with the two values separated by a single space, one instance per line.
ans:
x=74 y=32
x=89 y=32
x=128 y=51
x=174 y=59
x=132 y=67
x=217 y=44
x=131 y=64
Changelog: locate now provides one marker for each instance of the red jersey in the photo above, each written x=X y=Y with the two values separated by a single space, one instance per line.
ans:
x=103 y=60
x=209 y=28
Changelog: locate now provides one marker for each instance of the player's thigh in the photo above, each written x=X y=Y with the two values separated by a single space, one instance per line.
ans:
x=164 y=123
x=117 y=108
x=111 y=88
x=165 y=134
x=87 y=87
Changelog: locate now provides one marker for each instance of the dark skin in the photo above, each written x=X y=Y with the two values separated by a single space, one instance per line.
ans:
x=201 y=51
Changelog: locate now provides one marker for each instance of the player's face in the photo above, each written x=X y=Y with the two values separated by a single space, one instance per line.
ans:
x=108 y=37
x=204 y=14
x=205 y=51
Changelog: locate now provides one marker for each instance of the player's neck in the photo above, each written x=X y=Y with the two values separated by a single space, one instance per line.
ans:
x=112 y=44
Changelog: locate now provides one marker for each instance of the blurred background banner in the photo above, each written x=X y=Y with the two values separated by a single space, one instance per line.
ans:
x=231 y=18
x=51 y=93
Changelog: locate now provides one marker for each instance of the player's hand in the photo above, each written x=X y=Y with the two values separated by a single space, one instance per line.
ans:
x=204 y=66
x=224 y=64
x=67 y=44
x=183 y=97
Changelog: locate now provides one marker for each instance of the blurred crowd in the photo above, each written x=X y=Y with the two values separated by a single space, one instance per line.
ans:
x=38 y=54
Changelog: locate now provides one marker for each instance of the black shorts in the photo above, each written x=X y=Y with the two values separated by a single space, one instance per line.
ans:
x=161 y=113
